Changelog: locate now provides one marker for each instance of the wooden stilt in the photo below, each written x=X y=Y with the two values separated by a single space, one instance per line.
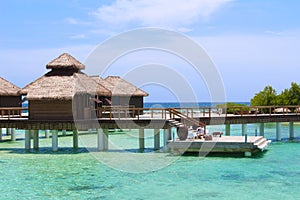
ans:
x=75 y=138
x=105 y=139
x=27 y=139
x=36 y=139
x=13 y=134
x=8 y=131
x=64 y=132
x=227 y=130
x=278 y=131
x=156 y=139
x=55 y=140
x=262 y=129
x=47 y=133
x=292 y=132
x=141 y=138
x=244 y=129
x=100 y=140
x=170 y=133
x=0 y=134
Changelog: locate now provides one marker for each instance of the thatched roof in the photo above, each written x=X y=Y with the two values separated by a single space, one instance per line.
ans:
x=65 y=61
x=102 y=84
x=63 y=85
x=7 y=88
x=120 y=87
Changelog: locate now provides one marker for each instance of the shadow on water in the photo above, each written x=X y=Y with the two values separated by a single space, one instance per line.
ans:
x=45 y=150
x=256 y=155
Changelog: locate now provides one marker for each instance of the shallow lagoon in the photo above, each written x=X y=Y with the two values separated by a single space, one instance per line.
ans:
x=69 y=174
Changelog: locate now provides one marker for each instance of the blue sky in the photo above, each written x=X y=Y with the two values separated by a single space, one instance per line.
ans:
x=252 y=42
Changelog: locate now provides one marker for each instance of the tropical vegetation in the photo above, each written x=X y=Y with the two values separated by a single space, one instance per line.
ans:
x=269 y=97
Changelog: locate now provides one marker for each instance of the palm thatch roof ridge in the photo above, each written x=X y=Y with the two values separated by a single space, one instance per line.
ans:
x=65 y=61
x=62 y=87
x=7 y=88
x=121 y=87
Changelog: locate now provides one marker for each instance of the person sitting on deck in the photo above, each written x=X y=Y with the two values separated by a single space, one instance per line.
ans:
x=200 y=132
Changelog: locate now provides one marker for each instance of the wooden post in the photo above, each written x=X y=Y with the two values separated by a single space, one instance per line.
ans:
x=13 y=134
x=291 y=127
x=75 y=139
x=156 y=139
x=244 y=129
x=55 y=140
x=36 y=139
x=27 y=139
x=64 y=132
x=0 y=134
x=227 y=130
x=8 y=131
x=47 y=133
x=278 y=131
x=170 y=133
x=100 y=140
x=105 y=138
x=262 y=129
x=142 y=138
x=166 y=137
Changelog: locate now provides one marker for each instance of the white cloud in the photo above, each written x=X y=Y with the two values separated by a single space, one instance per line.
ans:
x=79 y=36
x=158 y=13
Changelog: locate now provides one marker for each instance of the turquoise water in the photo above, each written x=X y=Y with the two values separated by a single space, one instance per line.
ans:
x=69 y=174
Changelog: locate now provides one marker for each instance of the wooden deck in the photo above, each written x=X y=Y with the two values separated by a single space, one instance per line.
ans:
x=225 y=144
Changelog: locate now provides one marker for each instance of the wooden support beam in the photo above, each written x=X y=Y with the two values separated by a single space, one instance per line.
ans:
x=156 y=139
x=227 y=130
x=36 y=139
x=141 y=138
x=262 y=129
x=278 y=131
x=244 y=129
x=55 y=140
x=291 y=129
x=47 y=133
x=27 y=140
x=75 y=138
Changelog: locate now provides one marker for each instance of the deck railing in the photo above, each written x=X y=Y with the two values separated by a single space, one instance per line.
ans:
x=121 y=112
x=13 y=112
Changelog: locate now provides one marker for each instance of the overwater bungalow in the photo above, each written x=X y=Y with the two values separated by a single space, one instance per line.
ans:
x=123 y=93
x=9 y=96
x=63 y=93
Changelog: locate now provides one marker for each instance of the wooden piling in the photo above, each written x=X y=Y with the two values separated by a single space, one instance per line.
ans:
x=27 y=140
x=156 y=139
x=36 y=139
x=278 y=131
x=141 y=138
x=55 y=140
x=292 y=131
x=75 y=138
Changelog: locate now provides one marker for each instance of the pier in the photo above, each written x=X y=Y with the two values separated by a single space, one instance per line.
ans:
x=67 y=99
x=167 y=119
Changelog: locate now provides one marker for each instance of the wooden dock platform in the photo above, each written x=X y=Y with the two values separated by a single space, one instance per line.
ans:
x=225 y=144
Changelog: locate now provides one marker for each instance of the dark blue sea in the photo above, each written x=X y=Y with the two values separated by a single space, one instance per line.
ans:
x=184 y=104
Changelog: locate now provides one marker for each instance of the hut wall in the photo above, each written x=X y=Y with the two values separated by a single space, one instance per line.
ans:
x=50 y=110
x=138 y=102
x=10 y=101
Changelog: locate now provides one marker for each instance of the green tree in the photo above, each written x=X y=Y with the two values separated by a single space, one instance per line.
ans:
x=283 y=98
x=294 y=94
x=267 y=97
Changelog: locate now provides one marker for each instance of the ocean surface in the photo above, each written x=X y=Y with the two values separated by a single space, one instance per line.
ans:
x=125 y=173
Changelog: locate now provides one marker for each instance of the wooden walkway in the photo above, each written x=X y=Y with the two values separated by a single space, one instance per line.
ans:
x=137 y=117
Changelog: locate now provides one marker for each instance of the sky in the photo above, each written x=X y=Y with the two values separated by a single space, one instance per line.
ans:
x=252 y=43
